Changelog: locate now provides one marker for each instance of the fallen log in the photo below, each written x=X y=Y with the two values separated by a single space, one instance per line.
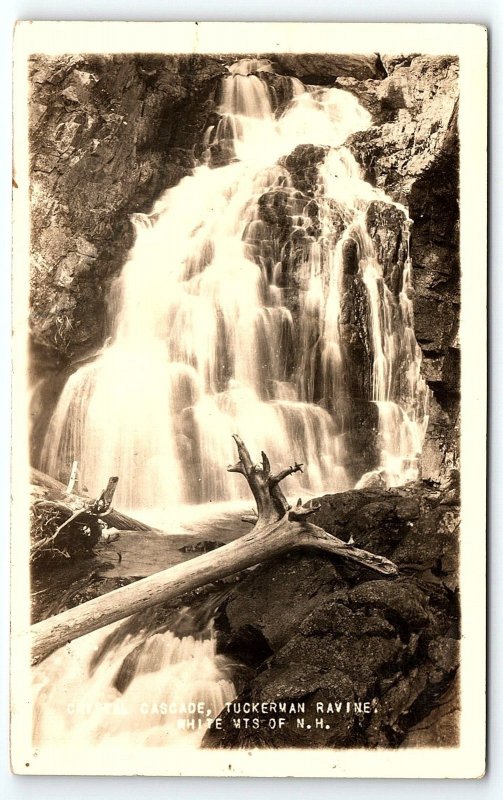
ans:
x=88 y=516
x=277 y=529
x=57 y=492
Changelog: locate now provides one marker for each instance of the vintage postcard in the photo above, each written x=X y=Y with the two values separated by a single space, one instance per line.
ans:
x=248 y=529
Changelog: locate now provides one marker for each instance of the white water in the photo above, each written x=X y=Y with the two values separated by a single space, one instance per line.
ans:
x=400 y=391
x=203 y=329
x=175 y=687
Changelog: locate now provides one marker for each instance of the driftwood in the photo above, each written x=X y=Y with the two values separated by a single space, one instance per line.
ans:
x=88 y=516
x=277 y=528
x=57 y=492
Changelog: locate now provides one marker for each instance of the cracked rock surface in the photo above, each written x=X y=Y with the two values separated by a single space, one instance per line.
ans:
x=313 y=628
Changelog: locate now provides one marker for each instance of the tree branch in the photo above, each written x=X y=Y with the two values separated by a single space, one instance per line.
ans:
x=243 y=454
x=285 y=473
x=237 y=468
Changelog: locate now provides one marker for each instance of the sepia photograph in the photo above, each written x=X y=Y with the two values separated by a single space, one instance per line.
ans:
x=242 y=265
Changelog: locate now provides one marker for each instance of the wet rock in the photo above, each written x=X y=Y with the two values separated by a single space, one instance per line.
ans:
x=350 y=257
x=367 y=93
x=401 y=600
x=388 y=230
x=323 y=69
x=358 y=658
x=260 y=606
x=206 y=546
x=302 y=164
x=107 y=135
x=280 y=90
x=444 y=652
x=376 y=519
x=385 y=650
x=440 y=727
x=441 y=447
x=293 y=682
x=412 y=152
x=355 y=337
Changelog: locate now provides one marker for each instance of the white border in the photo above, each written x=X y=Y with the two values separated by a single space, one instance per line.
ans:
x=469 y=42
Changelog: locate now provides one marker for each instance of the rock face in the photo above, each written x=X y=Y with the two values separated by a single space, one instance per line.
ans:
x=108 y=134
x=314 y=630
x=322 y=70
x=412 y=152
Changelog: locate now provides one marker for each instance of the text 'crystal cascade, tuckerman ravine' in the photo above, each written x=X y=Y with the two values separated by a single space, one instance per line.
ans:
x=253 y=302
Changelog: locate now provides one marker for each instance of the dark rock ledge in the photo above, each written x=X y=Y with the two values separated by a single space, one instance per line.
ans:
x=309 y=628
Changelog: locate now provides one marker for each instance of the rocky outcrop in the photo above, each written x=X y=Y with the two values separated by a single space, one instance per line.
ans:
x=414 y=114
x=323 y=69
x=412 y=152
x=313 y=630
x=389 y=231
x=107 y=135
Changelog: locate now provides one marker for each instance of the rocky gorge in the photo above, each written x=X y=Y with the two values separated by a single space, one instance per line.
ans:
x=108 y=135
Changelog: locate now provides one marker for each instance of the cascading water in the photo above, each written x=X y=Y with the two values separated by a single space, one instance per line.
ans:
x=236 y=313
x=204 y=335
x=127 y=685
x=399 y=390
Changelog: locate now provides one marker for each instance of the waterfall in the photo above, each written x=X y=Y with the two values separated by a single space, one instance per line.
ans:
x=226 y=321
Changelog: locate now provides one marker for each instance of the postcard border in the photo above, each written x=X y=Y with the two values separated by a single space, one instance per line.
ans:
x=469 y=42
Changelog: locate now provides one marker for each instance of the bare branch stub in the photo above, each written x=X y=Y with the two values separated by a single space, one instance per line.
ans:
x=286 y=472
x=301 y=512
x=237 y=468
x=257 y=478
x=244 y=455
x=104 y=501
x=271 y=502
